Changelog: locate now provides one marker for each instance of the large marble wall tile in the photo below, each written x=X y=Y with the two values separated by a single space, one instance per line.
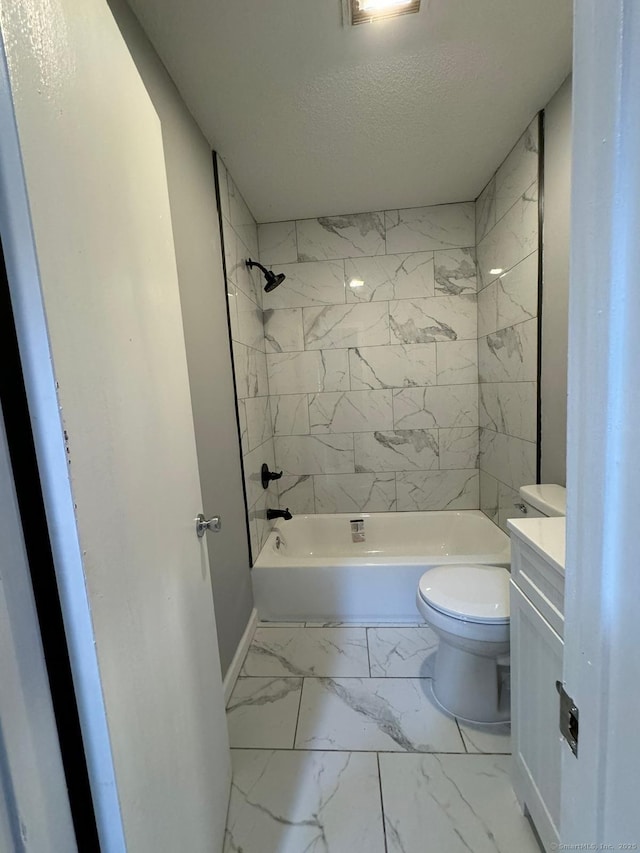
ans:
x=250 y=330
x=241 y=219
x=293 y=801
x=353 y=236
x=262 y=712
x=509 y=407
x=320 y=283
x=486 y=210
x=401 y=450
x=489 y=496
x=514 y=238
x=258 y=517
x=355 y=493
x=455 y=271
x=389 y=277
x=457 y=362
x=236 y=255
x=315 y=454
x=402 y=652
x=258 y=421
x=436 y=406
x=373 y=714
x=350 y=411
x=517 y=293
x=251 y=371
x=460 y=803
x=290 y=414
x=252 y=465
x=488 y=309
x=510 y=355
x=459 y=448
x=441 y=318
x=518 y=171
x=283 y=330
x=422 y=229
x=296 y=493
x=308 y=372
x=397 y=366
x=341 y=326
x=422 y=491
x=335 y=652
x=510 y=460
x=277 y=243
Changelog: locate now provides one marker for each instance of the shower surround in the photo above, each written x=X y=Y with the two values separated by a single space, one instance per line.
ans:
x=371 y=351
x=507 y=231
x=390 y=372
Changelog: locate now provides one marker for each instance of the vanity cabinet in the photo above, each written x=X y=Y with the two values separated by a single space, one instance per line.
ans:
x=537 y=601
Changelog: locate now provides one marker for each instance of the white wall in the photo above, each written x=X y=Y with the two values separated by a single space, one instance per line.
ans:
x=555 y=294
x=196 y=234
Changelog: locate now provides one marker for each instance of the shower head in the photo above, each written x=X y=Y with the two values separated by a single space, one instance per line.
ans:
x=273 y=280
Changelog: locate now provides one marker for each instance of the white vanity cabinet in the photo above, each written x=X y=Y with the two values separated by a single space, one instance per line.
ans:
x=537 y=602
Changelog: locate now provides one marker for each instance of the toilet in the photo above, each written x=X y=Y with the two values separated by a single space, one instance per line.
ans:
x=468 y=608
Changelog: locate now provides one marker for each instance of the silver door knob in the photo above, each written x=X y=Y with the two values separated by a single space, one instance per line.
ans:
x=214 y=524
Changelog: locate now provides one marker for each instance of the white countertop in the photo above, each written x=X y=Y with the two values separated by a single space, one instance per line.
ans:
x=544 y=535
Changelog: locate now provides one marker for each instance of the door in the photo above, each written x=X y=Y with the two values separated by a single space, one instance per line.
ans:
x=33 y=794
x=602 y=591
x=85 y=221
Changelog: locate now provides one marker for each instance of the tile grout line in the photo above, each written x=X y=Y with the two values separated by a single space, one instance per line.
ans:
x=295 y=734
x=464 y=743
x=384 y=823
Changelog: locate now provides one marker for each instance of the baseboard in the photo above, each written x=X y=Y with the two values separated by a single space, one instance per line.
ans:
x=238 y=659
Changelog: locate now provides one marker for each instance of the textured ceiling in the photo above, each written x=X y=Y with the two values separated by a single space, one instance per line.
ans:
x=315 y=119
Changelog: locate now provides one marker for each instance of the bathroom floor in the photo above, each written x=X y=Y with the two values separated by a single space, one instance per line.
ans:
x=338 y=746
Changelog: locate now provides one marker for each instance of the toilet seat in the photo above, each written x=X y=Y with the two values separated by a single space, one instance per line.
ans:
x=471 y=593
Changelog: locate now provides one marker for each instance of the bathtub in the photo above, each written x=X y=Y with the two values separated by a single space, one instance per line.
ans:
x=310 y=569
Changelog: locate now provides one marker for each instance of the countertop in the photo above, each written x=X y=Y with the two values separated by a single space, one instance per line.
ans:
x=544 y=535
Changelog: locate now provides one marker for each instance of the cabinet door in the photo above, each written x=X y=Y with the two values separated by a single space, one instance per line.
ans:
x=536 y=664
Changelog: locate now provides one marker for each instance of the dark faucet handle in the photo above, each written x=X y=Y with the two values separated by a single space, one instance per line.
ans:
x=266 y=475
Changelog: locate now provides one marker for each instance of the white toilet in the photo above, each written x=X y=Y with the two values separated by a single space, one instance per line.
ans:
x=468 y=608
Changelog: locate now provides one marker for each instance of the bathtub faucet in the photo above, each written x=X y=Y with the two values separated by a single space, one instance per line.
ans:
x=278 y=513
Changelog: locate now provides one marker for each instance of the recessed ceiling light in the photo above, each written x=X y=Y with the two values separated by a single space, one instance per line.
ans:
x=356 y=282
x=363 y=11
x=495 y=272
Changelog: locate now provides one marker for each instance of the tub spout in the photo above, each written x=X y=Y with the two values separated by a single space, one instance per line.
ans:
x=278 y=513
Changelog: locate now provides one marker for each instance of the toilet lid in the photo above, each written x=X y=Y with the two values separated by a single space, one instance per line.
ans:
x=472 y=593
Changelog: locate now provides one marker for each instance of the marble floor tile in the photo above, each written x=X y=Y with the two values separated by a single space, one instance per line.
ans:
x=402 y=652
x=374 y=714
x=335 y=652
x=262 y=712
x=452 y=803
x=493 y=739
x=291 y=802
x=267 y=624
x=312 y=624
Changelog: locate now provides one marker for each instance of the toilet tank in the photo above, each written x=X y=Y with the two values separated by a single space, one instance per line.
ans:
x=543 y=500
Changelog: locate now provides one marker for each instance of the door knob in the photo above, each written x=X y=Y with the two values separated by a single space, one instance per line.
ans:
x=214 y=524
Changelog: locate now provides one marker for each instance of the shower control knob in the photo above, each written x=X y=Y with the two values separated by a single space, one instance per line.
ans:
x=266 y=475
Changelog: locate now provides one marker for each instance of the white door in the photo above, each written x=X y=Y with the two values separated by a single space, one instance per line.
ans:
x=86 y=227
x=602 y=593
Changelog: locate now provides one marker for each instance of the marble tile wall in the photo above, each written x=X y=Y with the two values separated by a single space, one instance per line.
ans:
x=371 y=358
x=507 y=253
x=244 y=297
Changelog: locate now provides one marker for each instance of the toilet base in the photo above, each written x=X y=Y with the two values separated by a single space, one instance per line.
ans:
x=469 y=686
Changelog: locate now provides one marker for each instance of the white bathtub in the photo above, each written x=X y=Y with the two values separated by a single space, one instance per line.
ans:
x=309 y=568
